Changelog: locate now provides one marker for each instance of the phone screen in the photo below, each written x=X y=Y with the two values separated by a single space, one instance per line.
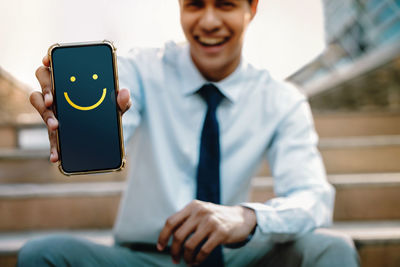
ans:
x=85 y=99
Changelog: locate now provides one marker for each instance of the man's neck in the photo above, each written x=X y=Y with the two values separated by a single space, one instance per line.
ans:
x=217 y=74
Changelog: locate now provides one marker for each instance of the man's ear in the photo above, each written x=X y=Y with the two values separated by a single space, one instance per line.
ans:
x=253 y=8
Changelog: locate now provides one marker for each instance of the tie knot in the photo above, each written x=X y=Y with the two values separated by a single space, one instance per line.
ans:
x=211 y=95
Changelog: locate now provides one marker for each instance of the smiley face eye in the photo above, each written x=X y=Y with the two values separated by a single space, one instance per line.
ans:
x=95 y=76
x=72 y=79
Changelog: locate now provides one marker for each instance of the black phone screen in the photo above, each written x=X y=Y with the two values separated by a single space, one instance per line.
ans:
x=85 y=99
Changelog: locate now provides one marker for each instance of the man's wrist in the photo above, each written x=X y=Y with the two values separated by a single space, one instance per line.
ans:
x=250 y=218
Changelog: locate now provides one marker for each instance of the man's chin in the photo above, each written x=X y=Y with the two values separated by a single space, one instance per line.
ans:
x=212 y=68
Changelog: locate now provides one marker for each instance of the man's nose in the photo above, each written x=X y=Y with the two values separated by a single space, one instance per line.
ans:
x=210 y=20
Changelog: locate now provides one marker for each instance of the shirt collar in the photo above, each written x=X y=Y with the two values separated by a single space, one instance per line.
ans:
x=231 y=87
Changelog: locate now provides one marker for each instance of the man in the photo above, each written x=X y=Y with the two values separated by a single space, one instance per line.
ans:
x=202 y=119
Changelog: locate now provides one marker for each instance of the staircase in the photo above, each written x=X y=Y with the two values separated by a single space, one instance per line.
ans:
x=360 y=151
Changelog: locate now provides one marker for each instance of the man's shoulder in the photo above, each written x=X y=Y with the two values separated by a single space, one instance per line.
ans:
x=283 y=88
x=275 y=89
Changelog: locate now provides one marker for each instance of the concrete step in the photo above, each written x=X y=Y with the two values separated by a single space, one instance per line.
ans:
x=338 y=124
x=94 y=205
x=8 y=136
x=33 y=166
x=371 y=154
x=378 y=243
x=361 y=154
x=59 y=206
x=357 y=124
x=357 y=154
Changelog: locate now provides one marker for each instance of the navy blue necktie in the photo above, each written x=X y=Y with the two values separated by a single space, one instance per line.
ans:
x=208 y=170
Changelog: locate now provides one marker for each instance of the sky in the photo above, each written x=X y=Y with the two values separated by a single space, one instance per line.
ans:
x=285 y=34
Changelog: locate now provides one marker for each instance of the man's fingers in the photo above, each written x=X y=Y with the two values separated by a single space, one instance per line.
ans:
x=179 y=237
x=212 y=242
x=192 y=244
x=43 y=76
x=42 y=102
x=170 y=225
x=46 y=61
x=37 y=102
x=124 y=100
x=53 y=146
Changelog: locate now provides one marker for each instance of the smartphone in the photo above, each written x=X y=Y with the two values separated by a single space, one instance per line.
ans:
x=85 y=87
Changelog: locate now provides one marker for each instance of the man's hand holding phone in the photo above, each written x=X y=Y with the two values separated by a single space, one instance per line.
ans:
x=43 y=103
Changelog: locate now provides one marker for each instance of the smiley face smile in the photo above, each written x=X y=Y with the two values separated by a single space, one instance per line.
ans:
x=73 y=79
x=89 y=107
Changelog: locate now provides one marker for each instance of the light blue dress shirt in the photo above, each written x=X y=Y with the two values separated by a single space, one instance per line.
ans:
x=259 y=118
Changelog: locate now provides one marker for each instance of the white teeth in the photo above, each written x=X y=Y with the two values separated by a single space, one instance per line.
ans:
x=210 y=40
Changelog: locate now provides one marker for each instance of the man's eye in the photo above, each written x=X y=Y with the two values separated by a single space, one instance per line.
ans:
x=226 y=4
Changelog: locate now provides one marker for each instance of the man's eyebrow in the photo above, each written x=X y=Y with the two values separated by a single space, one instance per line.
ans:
x=215 y=0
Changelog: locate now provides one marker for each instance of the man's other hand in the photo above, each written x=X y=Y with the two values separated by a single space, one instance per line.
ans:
x=203 y=221
x=43 y=102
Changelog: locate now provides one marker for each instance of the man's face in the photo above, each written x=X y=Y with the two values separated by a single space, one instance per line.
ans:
x=215 y=30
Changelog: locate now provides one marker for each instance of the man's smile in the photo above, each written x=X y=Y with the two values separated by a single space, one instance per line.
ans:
x=211 y=41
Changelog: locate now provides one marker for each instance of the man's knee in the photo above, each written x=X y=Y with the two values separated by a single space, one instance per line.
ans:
x=328 y=248
x=340 y=243
x=47 y=251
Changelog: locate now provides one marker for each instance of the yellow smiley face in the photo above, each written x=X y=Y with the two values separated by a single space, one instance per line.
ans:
x=73 y=79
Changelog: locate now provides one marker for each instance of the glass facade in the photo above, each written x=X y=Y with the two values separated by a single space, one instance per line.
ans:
x=353 y=28
x=382 y=19
x=373 y=23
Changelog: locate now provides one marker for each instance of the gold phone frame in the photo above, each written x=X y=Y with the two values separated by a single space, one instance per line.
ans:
x=115 y=69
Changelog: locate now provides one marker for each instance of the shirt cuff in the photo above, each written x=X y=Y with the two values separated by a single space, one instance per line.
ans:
x=271 y=225
x=260 y=210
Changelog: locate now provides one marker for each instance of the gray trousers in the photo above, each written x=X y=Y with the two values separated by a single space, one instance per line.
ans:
x=321 y=248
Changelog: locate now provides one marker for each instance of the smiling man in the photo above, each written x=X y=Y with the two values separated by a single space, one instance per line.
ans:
x=215 y=32
x=201 y=122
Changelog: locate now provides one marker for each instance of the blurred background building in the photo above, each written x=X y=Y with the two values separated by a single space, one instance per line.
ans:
x=20 y=125
x=16 y=114
x=359 y=70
